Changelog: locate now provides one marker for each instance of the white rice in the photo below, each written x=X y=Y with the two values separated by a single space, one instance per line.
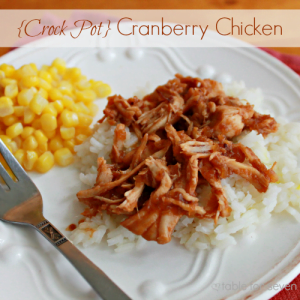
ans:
x=250 y=209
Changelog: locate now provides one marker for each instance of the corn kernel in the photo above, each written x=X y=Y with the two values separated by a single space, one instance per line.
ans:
x=40 y=137
x=43 y=147
x=63 y=157
x=85 y=96
x=9 y=120
x=25 y=96
x=102 y=90
x=38 y=104
x=14 y=146
x=36 y=124
x=11 y=90
x=67 y=101
x=20 y=156
x=43 y=84
x=54 y=73
x=56 y=143
x=7 y=81
x=9 y=70
x=84 y=120
x=48 y=122
x=93 y=108
x=27 y=70
x=73 y=73
x=80 y=138
x=55 y=94
x=30 y=143
x=69 y=118
x=30 y=159
x=45 y=76
x=2 y=74
x=45 y=162
x=19 y=111
x=43 y=93
x=67 y=132
x=27 y=131
x=34 y=67
x=69 y=144
x=44 y=68
x=18 y=141
x=14 y=130
x=29 y=115
x=6 y=140
x=50 y=109
x=50 y=134
x=6 y=106
x=82 y=108
x=83 y=85
x=65 y=87
x=60 y=65
x=83 y=130
x=29 y=81
x=58 y=106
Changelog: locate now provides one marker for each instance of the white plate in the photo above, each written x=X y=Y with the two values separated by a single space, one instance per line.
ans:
x=30 y=268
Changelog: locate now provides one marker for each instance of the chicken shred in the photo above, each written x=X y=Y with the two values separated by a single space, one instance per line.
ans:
x=185 y=130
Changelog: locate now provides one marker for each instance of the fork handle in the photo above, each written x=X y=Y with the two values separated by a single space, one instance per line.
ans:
x=103 y=286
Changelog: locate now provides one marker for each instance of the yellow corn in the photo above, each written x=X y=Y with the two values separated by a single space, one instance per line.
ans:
x=38 y=104
x=30 y=126
x=7 y=81
x=40 y=137
x=14 y=146
x=58 y=106
x=93 y=108
x=14 y=130
x=45 y=76
x=30 y=81
x=8 y=70
x=43 y=93
x=72 y=74
x=50 y=109
x=55 y=94
x=85 y=96
x=60 y=65
x=67 y=132
x=27 y=131
x=20 y=156
x=6 y=106
x=29 y=115
x=10 y=120
x=19 y=111
x=84 y=120
x=30 y=159
x=101 y=89
x=36 y=124
x=69 y=144
x=81 y=107
x=56 y=143
x=80 y=138
x=25 y=96
x=67 y=101
x=11 y=90
x=45 y=162
x=63 y=157
x=50 y=134
x=30 y=143
x=43 y=84
x=48 y=122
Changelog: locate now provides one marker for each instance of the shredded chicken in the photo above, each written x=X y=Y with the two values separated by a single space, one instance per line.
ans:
x=185 y=130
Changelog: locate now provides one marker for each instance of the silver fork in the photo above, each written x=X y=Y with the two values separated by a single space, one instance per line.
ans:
x=21 y=203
